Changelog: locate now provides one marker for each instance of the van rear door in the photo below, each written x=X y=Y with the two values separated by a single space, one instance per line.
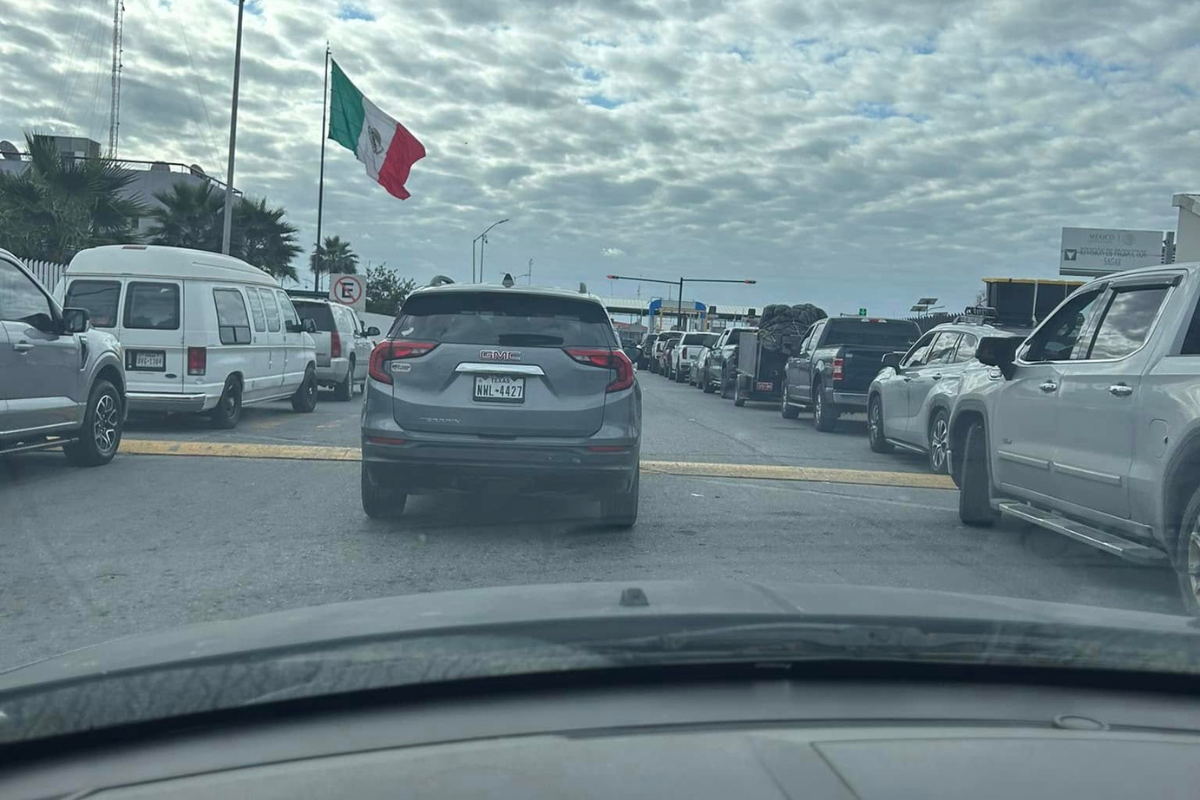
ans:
x=151 y=332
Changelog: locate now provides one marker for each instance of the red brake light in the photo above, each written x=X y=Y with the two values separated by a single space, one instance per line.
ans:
x=388 y=351
x=197 y=360
x=615 y=360
x=838 y=369
x=335 y=345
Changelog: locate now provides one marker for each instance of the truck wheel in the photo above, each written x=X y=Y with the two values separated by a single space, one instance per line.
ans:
x=726 y=386
x=706 y=384
x=621 y=510
x=875 y=433
x=939 y=439
x=786 y=409
x=824 y=417
x=100 y=435
x=377 y=500
x=345 y=390
x=975 y=483
x=229 y=407
x=1187 y=555
x=305 y=398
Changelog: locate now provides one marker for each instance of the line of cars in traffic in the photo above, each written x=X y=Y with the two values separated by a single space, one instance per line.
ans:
x=160 y=329
x=1086 y=424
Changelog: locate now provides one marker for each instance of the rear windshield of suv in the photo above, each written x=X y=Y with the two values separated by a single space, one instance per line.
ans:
x=898 y=334
x=319 y=313
x=511 y=319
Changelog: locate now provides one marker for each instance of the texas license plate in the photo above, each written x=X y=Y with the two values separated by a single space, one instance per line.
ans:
x=146 y=359
x=499 y=389
x=764 y=386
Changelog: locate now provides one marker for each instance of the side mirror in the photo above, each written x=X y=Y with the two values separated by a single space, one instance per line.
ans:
x=892 y=360
x=292 y=327
x=310 y=326
x=75 y=320
x=372 y=331
x=999 y=351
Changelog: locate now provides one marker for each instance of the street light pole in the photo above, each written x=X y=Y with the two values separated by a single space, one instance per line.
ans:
x=227 y=224
x=482 y=239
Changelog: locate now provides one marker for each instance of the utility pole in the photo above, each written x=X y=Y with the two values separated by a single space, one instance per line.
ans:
x=118 y=47
x=227 y=225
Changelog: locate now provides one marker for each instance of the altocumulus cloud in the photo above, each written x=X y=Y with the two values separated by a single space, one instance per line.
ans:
x=850 y=154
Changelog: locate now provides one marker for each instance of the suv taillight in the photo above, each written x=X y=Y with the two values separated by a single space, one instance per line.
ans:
x=389 y=351
x=838 y=368
x=197 y=360
x=615 y=360
x=335 y=345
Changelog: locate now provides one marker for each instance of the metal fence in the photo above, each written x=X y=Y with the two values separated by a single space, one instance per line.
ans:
x=48 y=272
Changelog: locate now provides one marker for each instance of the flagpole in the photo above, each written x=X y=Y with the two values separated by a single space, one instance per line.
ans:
x=227 y=221
x=321 y=185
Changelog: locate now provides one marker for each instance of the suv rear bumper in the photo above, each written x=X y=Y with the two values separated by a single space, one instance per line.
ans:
x=417 y=466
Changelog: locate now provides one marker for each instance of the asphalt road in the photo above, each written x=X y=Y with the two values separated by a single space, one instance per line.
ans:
x=150 y=542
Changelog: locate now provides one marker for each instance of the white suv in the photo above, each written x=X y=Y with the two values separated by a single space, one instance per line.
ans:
x=343 y=346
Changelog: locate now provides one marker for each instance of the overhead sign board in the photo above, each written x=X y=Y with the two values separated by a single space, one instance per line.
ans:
x=1100 y=251
x=349 y=290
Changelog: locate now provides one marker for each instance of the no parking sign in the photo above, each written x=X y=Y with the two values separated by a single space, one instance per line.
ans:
x=348 y=290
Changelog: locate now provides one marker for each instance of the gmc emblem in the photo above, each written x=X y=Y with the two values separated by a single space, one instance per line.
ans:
x=500 y=355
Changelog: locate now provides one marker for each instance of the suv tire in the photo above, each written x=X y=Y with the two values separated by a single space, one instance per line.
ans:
x=706 y=385
x=824 y=417
x=1187 y=555
x=939 y=440
x=100 y=434
x=975 y=482
x=344 y=391
x=377 y=502
x=305 y=398
x=875 y=432
x=621 y=510
x=229 y=407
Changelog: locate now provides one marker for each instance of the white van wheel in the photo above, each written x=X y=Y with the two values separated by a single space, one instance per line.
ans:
x=305 y=398
x=229 y=407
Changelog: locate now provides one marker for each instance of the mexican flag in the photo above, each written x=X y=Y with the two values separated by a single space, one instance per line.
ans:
x=384 y=145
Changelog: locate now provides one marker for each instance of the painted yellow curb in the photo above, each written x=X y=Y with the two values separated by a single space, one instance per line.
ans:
x=911 y=480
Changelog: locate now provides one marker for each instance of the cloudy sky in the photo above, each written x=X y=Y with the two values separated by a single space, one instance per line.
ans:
x=844 y=153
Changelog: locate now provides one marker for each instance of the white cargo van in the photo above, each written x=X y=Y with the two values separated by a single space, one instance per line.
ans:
x=201 y=332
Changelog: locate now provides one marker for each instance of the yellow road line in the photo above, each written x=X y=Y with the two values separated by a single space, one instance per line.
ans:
x=912 y=480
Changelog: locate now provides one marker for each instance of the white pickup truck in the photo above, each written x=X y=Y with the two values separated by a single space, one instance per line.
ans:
x=1090 y=427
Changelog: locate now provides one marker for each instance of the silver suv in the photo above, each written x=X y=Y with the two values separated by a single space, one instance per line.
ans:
x=519 y=387
x=1090 y=427
x=62 y=384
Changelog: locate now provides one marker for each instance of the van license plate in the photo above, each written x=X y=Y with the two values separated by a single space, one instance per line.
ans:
x=499 y=389
x=146 y=359
x=764 y=386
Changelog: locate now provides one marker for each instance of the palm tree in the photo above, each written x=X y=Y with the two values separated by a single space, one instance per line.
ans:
x=263 y=238
x=59 y=206
x=335 y=256
x=190 y=216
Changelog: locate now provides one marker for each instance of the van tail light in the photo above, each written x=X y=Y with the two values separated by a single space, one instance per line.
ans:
x=839 y=369
x=615 y=360
x=388 y=351
x=197 y=360
x=335 y=345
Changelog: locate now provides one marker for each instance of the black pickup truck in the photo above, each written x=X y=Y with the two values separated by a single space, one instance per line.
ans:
x=832 y=367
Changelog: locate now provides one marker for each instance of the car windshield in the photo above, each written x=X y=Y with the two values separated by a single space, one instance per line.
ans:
x=950 y=251
x=510 y=318
x=320 y=313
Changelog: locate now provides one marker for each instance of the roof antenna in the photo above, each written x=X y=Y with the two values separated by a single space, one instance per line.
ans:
x=583 y=288
x=507 y=283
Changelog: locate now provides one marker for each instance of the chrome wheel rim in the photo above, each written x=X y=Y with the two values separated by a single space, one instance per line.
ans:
x=105 y=428
x=1193 y=562
x=937 y=443
x=816 y=406
x=229 y=401
x=310 y=387
x=875 y=423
